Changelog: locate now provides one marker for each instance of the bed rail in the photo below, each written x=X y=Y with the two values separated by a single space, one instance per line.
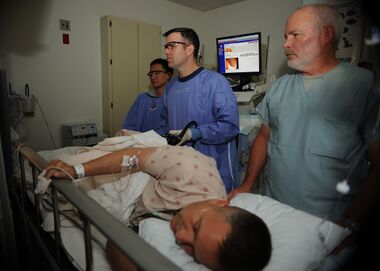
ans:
x=143 y=254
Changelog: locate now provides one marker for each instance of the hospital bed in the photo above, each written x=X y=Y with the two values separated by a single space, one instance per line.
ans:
x=300 y=241
x=73 y=233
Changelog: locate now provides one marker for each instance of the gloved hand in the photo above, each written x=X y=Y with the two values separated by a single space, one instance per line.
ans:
x=186 y=137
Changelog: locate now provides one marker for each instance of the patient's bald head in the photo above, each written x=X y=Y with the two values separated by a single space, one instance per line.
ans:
x=222 y=237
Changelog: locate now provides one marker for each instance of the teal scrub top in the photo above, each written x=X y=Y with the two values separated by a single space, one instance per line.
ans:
x=315 y=137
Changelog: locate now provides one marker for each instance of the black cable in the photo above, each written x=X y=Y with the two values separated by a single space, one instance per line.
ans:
x=175 y=139
x=191 y=123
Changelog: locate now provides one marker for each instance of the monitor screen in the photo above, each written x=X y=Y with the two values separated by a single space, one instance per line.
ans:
x=239 y=54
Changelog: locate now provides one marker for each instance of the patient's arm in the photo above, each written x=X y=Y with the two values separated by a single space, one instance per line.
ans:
x=110 y=163
x=117 y=259
x=256 y=162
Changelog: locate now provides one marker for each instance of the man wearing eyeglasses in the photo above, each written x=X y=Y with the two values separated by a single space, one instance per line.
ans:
x=203 y=96
x=144 y=114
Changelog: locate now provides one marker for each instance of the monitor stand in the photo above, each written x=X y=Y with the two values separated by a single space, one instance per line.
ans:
x=244 y=80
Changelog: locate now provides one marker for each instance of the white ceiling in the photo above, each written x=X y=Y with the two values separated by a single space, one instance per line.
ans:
x=205 y=5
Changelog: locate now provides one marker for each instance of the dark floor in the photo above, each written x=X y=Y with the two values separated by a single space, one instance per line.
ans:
x=35 y=248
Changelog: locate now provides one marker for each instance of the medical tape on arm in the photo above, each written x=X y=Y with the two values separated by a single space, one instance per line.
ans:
x=130 y=162
x=44 y=183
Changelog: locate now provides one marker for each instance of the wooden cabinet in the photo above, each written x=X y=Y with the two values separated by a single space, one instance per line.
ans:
x=127 y=48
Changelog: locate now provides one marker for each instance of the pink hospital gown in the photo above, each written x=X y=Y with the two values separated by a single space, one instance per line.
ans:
x=182 y=176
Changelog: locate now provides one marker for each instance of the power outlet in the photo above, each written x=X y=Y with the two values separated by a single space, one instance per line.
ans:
x=64 y=25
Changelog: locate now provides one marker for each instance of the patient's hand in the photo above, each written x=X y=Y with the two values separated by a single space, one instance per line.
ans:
x=57 y=169
x=125 y=132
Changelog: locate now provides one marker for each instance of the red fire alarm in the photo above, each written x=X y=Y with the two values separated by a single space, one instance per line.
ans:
x=66 y=38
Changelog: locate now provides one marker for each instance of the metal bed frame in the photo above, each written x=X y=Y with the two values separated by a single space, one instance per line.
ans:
x=140 y=252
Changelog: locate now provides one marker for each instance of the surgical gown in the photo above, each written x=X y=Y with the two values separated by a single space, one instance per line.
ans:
x=207 y=98
x=144 y=114
x=315 y=137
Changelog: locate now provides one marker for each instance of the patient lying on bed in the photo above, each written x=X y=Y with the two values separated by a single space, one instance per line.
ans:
x=218 y=236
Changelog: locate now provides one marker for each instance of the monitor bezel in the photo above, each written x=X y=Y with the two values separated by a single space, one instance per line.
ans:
x=239 y=73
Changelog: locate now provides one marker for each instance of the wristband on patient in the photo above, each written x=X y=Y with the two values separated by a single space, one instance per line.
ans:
x=79 y=170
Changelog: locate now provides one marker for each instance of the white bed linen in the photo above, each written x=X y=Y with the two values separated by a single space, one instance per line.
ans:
x=119 y=198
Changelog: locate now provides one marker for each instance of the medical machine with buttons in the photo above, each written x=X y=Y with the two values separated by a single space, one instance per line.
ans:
x=80 y=134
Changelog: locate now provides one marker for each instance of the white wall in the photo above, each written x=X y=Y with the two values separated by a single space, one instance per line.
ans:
x=265 y=16
x=66 y=79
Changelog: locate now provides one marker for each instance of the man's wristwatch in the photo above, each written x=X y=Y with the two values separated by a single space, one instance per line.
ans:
x=351 y=225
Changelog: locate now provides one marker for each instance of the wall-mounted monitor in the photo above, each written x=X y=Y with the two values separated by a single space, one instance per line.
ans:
x=239 y=54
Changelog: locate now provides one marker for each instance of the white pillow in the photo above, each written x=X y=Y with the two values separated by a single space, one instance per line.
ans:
x=300 y=241
x=157 y=232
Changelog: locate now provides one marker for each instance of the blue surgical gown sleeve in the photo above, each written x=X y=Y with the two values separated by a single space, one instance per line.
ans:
x=225 y=113
x=131 y=119
x=210 y=102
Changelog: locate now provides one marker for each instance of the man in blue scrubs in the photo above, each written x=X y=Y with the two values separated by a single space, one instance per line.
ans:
x=203 y=96
x=144 y=114
x=319 y=140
